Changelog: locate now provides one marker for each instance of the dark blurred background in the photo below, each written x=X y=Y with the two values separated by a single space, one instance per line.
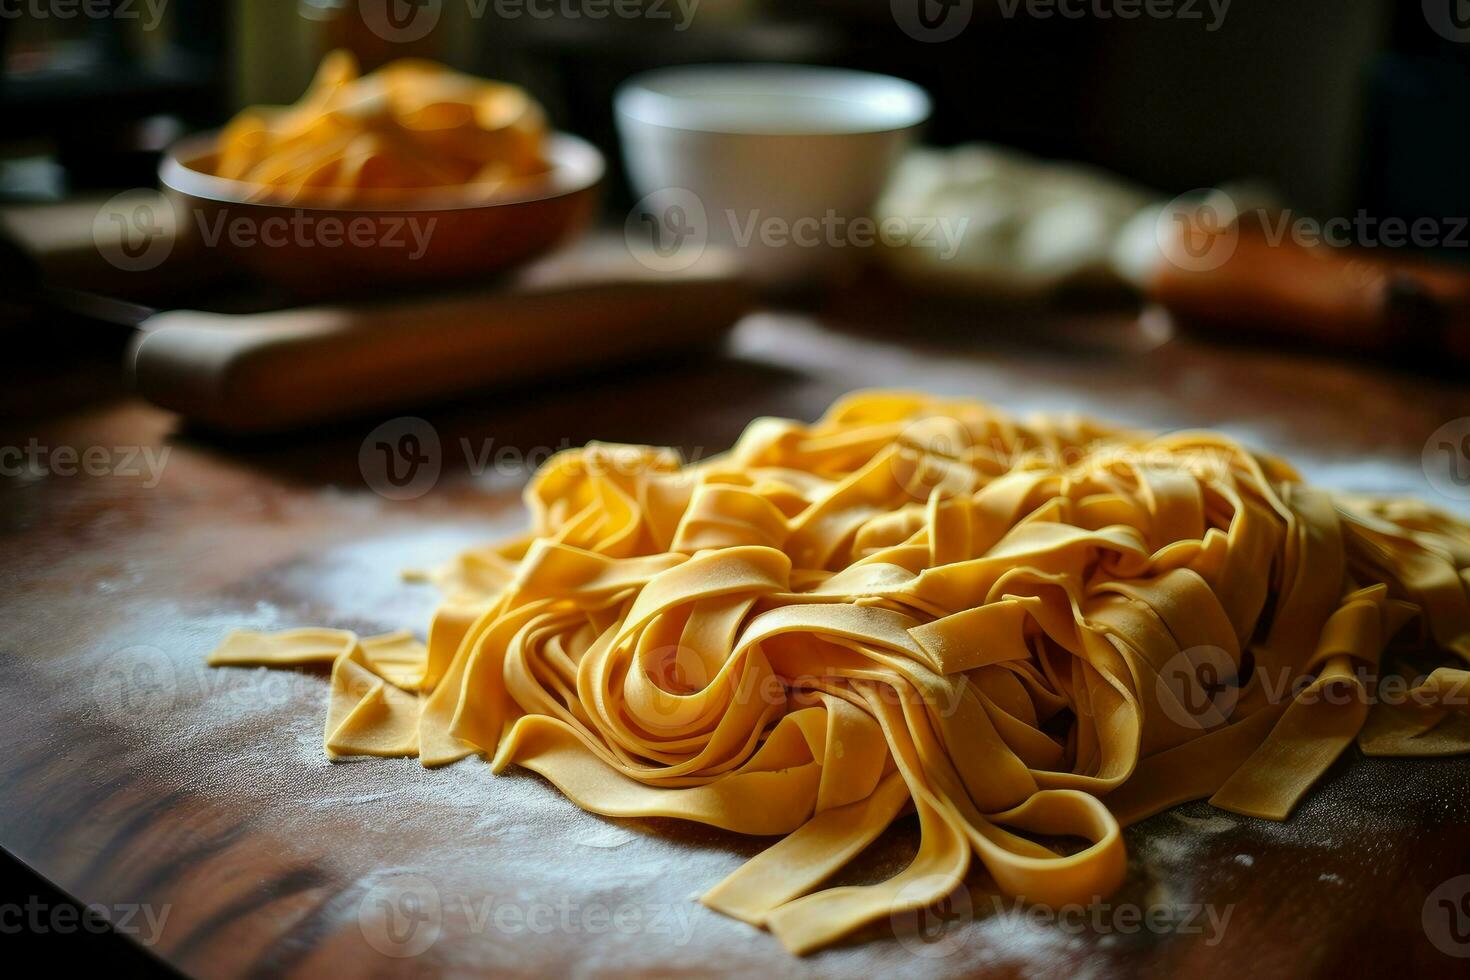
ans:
x=1336 y=105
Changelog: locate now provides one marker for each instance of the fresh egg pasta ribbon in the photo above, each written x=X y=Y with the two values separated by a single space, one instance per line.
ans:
x=1019 y=632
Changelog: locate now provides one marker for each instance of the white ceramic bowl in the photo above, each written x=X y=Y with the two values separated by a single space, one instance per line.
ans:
x=780 y=163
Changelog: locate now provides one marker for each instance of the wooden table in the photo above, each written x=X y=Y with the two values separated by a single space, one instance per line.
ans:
x=134 y=776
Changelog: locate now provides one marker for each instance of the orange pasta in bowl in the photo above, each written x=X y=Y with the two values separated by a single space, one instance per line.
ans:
x=413 y=174
x=410 y=125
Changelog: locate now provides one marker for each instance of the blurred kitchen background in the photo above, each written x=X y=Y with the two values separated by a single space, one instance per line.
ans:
x=1335 y=106
x=1059 y=130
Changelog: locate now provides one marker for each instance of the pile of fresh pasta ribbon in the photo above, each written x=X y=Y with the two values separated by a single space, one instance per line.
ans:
x=1024 y=634
x=410 y=125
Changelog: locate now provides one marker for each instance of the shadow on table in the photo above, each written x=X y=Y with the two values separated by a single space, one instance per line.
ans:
x=697 y=403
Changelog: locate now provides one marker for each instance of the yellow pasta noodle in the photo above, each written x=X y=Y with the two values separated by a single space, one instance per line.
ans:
x=1019 y=632
x=410 y=125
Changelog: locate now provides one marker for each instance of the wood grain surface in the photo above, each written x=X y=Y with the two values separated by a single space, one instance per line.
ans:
x=135 y=778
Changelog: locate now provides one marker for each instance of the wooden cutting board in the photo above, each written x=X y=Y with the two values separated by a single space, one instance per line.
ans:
x=133 y=776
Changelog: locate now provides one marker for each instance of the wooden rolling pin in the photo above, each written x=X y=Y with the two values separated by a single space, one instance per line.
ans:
x=271 y=371
x=1332 y=299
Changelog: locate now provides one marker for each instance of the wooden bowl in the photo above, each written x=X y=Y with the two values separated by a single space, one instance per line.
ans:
x=335 y=239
